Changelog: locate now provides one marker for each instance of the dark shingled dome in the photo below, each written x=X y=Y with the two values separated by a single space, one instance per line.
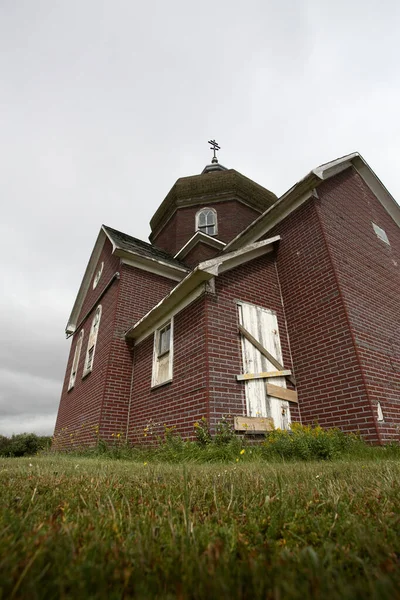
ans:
x=210 y=187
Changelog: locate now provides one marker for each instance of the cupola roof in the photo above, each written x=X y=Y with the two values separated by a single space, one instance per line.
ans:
x=215 y=184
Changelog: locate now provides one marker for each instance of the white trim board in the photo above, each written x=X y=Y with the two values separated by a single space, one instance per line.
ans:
x=134 y=259
x=196 y=238
x=85 y=283
x=304 y=189
x=151 y=267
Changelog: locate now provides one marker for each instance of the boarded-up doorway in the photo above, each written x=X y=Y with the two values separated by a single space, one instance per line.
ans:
x=263 y=326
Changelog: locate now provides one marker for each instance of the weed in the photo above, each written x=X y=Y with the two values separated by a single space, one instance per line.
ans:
x=202 y=432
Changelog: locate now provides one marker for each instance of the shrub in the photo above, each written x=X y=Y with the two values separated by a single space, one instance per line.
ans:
x=309 y=443
x=23 y=444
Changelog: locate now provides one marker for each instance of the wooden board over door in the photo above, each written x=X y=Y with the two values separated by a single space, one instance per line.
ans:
x=263 y=326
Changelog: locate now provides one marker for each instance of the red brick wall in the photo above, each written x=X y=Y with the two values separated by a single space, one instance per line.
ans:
x=111 y=266
x=233 y=217
x=138 y=293
x=255 y=282
x=98 y=404
x=79 y=415
x=368 y=272
x=200 y=253
x=181 y=402
x=330 y=385
x=207 y=356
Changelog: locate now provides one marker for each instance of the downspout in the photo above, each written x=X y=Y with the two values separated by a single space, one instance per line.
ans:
x=207 y=359
x=130 y=395
x=286 y=325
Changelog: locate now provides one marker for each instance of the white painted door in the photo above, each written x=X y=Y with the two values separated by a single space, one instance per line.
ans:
x=263 y=325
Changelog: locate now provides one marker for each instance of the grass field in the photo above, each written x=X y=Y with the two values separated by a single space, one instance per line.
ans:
x=96 y=528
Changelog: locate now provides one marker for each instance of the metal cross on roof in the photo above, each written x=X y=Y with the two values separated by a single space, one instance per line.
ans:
x=214 y=148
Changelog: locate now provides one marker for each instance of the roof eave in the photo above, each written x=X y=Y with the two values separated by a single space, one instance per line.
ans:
x=304 y=189
x=151 y=265
x=196 y=238
x=85 y=284
x=275 y=213
x=201 y=274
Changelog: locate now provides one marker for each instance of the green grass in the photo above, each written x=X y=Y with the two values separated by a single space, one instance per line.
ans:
x=74 y=527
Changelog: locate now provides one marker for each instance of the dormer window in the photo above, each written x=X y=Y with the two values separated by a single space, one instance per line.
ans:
x=206 y=221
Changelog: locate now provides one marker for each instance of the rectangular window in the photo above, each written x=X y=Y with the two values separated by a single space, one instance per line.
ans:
x=164 y=340
x=162 y=355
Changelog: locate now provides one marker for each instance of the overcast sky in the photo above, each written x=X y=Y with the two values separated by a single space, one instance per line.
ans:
x=104 y=104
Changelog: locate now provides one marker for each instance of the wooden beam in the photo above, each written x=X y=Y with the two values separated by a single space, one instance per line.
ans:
x=263 y=375
x=265 y=352
x=280 y=392
x=254 y=424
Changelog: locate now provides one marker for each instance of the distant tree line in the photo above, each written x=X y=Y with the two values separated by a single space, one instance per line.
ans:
x=23 y=444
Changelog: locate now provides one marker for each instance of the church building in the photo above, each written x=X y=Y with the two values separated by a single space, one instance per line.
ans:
x=245 y=306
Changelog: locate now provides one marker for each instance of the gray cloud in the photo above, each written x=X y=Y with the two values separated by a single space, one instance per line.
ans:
x=104 y=105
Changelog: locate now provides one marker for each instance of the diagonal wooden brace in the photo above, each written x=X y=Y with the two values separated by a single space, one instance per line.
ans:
x=265 y=352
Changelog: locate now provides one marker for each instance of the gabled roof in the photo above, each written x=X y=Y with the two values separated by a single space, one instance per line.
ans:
x=193 y=286
x=197 y=238
x=304 y=189
x=133 y=251
x=123 y=241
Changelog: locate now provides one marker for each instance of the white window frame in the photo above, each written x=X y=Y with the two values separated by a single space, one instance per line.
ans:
x=92 y=341
x=75 y=362
x=98 y=275
x=214 y=224
x=163 y=357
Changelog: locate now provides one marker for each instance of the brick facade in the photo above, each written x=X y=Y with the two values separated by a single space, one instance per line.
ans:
x=98 y=403
x=79 y=414
x=183 y=401
x=329 y=382
x=333 y=284
x=254 y=282
x=199 y=253
x=368 y=273
x=233 y=216
x=149 y=289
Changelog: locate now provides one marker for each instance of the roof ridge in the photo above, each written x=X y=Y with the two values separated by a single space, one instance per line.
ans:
x=148 y=246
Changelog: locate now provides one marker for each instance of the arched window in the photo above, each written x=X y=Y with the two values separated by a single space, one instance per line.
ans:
x=206 y=221
x=94 y=330
x=98 y=275
x=75 y=362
